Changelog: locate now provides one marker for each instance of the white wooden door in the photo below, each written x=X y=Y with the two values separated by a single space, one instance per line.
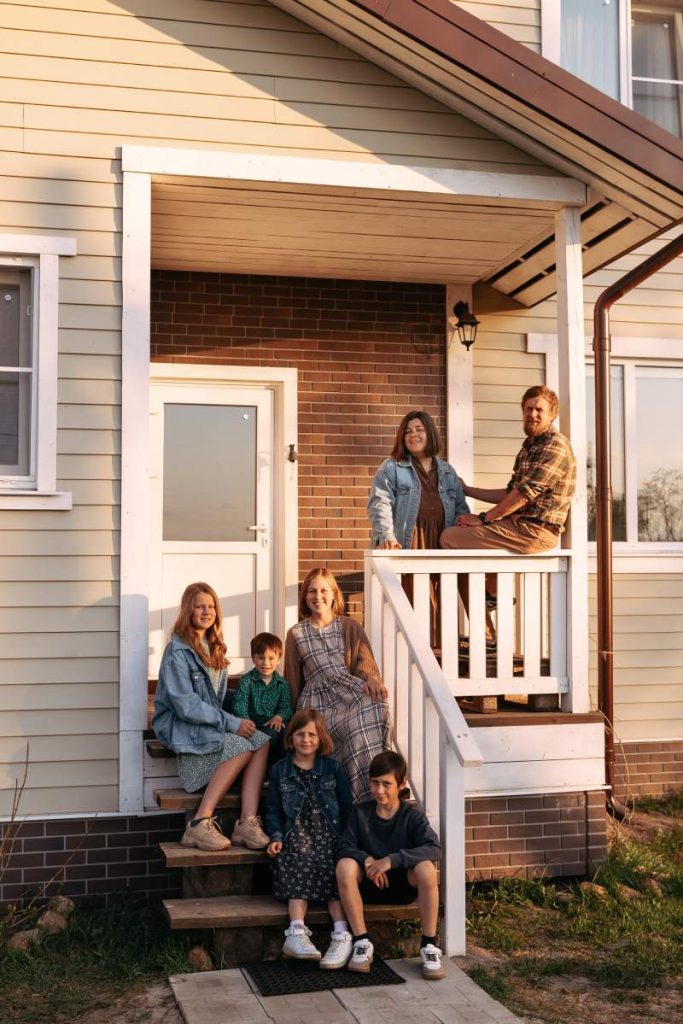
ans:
x=211 y=507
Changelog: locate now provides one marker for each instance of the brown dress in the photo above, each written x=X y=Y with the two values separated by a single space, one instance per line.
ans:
x=428 y=527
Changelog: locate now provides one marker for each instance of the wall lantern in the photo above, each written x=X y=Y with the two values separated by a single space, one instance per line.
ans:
x=466 y=324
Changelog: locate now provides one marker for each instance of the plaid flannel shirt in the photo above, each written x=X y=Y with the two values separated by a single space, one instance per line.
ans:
x=254 y=700
x=545 y=473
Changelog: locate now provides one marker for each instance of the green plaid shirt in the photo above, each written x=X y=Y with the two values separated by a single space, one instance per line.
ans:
x=255 y=700
x=545 y=473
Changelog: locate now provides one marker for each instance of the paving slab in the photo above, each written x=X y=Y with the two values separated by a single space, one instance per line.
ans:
x=229 y=997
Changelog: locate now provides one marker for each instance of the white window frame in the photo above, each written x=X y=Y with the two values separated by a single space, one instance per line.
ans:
x=628 y=352
x=41 y=254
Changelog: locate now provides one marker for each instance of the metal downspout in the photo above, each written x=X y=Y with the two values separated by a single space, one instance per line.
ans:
x=603 y=477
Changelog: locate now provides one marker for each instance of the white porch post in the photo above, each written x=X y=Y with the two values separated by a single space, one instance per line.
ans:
x=572 y=394
x=459 y=362
x=135 y=320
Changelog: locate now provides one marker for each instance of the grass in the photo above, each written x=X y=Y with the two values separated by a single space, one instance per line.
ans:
x=632 y=950
x=105 y=952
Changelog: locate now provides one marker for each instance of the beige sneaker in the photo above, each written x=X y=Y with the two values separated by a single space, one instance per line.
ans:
x=250 y=833
x=205 y=835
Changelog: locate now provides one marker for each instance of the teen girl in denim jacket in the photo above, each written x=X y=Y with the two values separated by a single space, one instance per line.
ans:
x=414 y=495
x=307 y=804
x=212 y=746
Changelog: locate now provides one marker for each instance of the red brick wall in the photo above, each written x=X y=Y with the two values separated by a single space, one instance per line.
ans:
x=648 y=769
x=529 y=836
x=360 y=371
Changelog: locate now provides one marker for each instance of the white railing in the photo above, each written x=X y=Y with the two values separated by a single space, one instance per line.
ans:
x=531 y=621
x=428 y=729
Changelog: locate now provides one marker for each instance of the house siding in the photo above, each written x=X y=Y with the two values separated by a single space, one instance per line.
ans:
x=519 y=19
x=80 y=81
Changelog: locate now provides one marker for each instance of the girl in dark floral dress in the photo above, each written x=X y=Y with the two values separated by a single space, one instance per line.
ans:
x=308 y=802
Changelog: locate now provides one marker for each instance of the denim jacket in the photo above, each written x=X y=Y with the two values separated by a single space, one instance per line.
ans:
x=395 y=499
x=188 y=714
x=285 y=796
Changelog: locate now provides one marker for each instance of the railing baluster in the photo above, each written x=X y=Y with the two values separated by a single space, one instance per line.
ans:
x=532 y=624
x=452 y=802
x=421 y=602
x=558 y=634
x=389 y=653
x=430 y=740
x=505 y=624
x=401 y=717
x=477 y=616
x=450 y=614
x=415 y=747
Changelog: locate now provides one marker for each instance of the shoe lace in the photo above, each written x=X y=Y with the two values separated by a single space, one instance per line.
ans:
x=214 y=824
x=256 y=821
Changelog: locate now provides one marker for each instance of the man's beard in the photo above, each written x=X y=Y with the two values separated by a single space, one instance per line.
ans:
x=534 y=429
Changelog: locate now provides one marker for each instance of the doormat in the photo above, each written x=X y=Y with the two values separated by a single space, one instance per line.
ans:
x=286 y=977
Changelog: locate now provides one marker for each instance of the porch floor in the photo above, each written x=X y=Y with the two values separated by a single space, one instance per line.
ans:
x=228 y=996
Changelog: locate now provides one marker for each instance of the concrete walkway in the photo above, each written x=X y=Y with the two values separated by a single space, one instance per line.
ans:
x=227 y=997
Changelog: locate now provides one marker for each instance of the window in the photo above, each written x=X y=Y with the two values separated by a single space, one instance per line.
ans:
x=647 y=453
x=657 y=63
x=632 y=50
x=17 y=360
x=29 y=284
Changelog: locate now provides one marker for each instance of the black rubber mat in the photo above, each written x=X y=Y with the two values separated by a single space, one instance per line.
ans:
x=285 y=977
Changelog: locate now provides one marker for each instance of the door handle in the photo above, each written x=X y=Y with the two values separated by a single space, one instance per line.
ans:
x=258 y=529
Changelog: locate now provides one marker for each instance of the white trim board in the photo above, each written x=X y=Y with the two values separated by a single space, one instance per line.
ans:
x=354 y=174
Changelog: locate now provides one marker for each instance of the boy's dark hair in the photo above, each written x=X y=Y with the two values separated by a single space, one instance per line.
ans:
x=389 y=762
x=263 y=642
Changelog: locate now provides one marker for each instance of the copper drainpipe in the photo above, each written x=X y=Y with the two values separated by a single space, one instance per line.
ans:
x=603 y=483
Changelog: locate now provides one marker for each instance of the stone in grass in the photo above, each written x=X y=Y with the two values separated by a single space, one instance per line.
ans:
x=564 y=898
x=52 y=922
x=628 y=894
x=62 y=905
x=199 y=959
x=652 y=886
x=22 y=942
x=593 y=889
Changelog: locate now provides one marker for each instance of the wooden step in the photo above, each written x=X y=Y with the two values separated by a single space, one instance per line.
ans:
x=156 y=749
x=178 y=856
x=260 y=911
x=179 y=800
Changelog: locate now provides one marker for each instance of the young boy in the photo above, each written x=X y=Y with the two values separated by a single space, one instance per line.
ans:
x=386 y=854
x=263 y=695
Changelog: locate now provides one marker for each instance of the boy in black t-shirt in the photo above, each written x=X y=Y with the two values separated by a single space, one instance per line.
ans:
x=386 y=854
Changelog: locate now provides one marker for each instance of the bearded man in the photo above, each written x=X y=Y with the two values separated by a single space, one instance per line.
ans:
x=530 y=513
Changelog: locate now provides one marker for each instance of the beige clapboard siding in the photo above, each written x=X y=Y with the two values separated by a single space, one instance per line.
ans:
x=519 y=19
x=63 y=799
x=36 y=544
x=50 y=594
x=60 y=748
x=82 y=517
x=66 y=773
x=61 y=670
x=58 y=568
x=59 y=645
x=47 y=697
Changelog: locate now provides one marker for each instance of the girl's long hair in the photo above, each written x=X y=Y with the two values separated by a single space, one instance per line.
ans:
x=214 y=637
x=337 y=599
x=400 y=452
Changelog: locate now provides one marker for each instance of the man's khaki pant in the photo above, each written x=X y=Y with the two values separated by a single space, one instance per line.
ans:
x=514 y=533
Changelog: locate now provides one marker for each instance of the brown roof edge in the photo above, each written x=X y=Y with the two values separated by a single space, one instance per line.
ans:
x=493 y=57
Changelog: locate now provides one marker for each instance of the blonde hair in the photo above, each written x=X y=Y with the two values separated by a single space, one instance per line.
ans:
x=183 y=627
x=301 y=718
x=337 y=596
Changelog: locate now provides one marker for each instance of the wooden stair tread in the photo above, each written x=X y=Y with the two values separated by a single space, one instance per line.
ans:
x=255 y=911
x=178 y=856
x=156 y=749
x=179 y=800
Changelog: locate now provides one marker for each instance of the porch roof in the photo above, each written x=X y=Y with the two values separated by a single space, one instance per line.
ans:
x=633 y=168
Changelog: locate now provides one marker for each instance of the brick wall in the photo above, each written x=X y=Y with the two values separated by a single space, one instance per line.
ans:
x=364 y=355
x=648 y=769
x=529 y=836
x=88 y=857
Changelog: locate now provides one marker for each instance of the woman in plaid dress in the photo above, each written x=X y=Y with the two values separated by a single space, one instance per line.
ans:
x=329 y=666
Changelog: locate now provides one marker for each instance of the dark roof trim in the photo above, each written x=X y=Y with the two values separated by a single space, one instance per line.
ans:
x=491 y=56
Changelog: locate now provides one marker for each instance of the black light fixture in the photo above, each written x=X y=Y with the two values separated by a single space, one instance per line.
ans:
x=466 y=324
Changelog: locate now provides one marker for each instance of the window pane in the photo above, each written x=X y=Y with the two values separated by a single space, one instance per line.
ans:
x=658 y=54
x=662 y=104
x=659 y=400
x=589 y=46
x=209 y=472
x=618 y=474
x=15 y=423
x=9 y=324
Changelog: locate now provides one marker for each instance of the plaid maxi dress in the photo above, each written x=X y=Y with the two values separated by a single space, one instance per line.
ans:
x=358 y=725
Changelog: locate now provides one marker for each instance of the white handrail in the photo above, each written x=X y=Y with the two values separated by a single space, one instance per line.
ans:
x=429 y=729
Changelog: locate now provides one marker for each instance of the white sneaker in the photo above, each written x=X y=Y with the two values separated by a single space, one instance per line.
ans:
x=298 y=946
x=432 y=968
x=362 y=956
x=338 y=952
